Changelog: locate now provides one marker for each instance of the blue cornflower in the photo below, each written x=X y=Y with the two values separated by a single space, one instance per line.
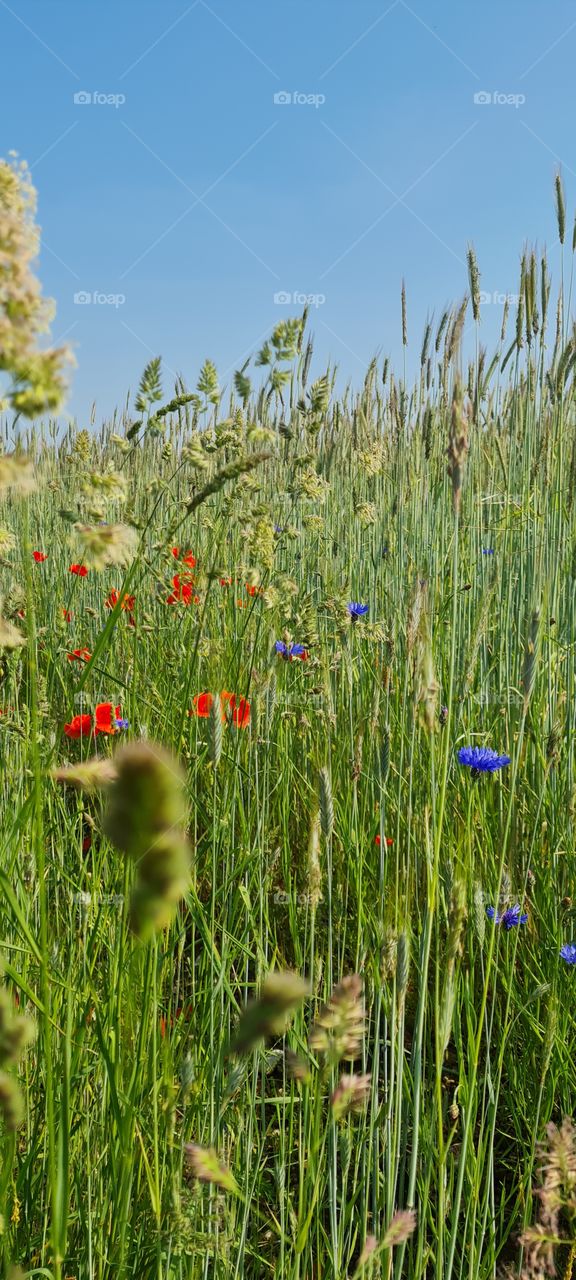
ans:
x=568 y=952
x=290 y=651
x=278 y=528
x=357 y=610
x=122 y=724
x=488 y=551
x=482 y=760
x=509 y=918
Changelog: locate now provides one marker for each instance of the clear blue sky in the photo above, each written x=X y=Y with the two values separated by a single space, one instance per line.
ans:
x=198 y=197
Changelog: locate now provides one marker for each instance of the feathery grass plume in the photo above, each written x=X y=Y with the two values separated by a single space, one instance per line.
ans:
x=17 y=473
x=425 y=343
x=456 y=919
x=351 y=1095
x=106 y=544
x=457 y=444
x=16 y=1032
x=215 y=731
x=145 y=818
x=454 y=336
x=531 y=653
x=404 y=317
x=37 y=376
x=521 y=306
x=556 y=1219
x=280 y=995
x=402 y=965
x=206 y=1166
x=297 y=1067
x=338 y=1030
x=150 y=388
x=440 y=330
x=230 y=472
x=505 y=314
x=426 y=687
x=415 y=608
x=560 y=207
x=10 y=636
x=326 y=803
x=313 y=869
x=473 y=281
x=479 y=914
x=87 y=775
x=401 y=1227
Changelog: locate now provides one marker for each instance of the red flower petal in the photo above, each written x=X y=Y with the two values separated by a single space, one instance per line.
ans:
x=79 y=569
x=40 y=556
x=105 y=716
x=79 y=727
x=202 y=704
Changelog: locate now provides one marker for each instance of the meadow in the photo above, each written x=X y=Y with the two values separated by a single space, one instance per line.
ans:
x=287 y=981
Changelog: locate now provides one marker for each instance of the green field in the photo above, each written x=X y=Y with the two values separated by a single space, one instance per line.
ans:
x=321 y=825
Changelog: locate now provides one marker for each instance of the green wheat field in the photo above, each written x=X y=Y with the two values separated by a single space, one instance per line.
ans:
x=287 y=987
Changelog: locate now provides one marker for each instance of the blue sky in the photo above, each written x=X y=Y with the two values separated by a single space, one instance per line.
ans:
x=197 y=198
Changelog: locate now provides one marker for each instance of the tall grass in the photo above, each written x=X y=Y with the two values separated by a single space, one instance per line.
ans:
x=448 y=509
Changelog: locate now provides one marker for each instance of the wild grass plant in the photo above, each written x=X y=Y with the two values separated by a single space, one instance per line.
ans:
x=269 y=1003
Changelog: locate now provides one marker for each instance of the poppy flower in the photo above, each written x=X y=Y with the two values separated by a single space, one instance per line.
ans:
x=66 y=614
x=183 y=592
x=79 y=655
x=105 y=717
x=186 y=558
x=253 y=591
x=79 y=569
x=291 y=651
x=387 y=840
x=86 y=843
x=202 y=705
x=79 y=727
x=239 y=712
x=113 y=597
x=40 y=556
x=225 y=582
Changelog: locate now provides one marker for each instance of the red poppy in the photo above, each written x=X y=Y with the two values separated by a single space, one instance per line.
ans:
x=164 y=1022
x=86 y=843
x=79 y=569
x=187 y=557
x=387 y=839
x=183 y=592
x=105 y=717
x=202 y=705
x=239 y=712
x=79 y=727
x=253 y=591
x=79 y=655
x=113 y=597
x=67 y=616
x=40 y=556
x=225 y=582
